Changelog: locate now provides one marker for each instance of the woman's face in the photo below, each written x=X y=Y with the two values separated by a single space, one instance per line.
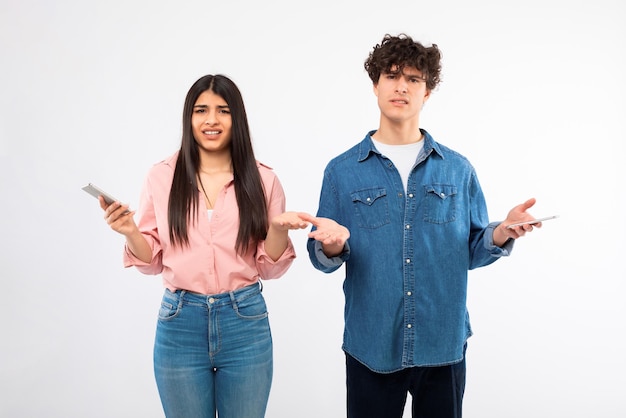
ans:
x=211 y=122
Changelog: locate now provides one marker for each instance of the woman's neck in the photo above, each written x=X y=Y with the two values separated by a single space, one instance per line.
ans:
x=215 y=163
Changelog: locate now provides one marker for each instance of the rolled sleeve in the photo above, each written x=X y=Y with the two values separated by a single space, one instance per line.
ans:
x=493 y=249
x=274 y=269
x=324 y=263
x=155 y=266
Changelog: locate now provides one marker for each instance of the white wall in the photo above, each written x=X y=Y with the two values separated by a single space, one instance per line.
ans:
x=92 y=91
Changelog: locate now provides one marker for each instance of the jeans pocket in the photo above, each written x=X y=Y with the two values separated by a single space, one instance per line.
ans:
x=170 y=305
x=252 y=307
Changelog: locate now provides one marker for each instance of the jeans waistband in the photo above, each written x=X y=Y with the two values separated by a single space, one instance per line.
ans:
x=220 y=298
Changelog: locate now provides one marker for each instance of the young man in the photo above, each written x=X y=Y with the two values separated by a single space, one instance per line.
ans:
x=408 y=217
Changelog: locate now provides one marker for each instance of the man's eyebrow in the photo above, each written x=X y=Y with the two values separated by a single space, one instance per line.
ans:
x=420 y=76
x=403 y=74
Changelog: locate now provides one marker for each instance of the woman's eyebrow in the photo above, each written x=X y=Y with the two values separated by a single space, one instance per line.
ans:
x=206 y=106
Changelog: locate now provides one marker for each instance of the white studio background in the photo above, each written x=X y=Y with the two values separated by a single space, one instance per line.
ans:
x=92 y=91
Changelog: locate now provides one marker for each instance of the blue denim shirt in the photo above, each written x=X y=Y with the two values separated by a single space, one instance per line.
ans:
x=408 y=255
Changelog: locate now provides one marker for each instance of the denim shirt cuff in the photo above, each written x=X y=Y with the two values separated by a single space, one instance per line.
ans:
x=331 y=262
x=503 y=251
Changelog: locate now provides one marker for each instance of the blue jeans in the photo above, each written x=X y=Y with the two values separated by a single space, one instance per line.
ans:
x=437 y=391
x=213 y=353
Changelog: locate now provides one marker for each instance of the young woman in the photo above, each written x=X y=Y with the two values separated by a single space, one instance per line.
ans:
x=212 y=222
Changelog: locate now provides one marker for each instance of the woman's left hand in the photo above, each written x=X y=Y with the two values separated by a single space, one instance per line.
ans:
x=289 y=220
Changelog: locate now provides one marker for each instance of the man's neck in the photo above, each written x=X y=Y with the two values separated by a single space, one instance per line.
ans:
x=398 y=134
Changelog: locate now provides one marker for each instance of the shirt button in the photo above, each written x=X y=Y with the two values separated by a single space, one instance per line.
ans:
x=409 y=326
x=408 y=260
x=409 y=293
x=442 y=194
x=408 y=227
x=368 y=199
x=211 y=300
x=410 y=194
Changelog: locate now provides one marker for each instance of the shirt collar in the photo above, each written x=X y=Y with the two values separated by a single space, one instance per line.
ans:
x=367 y=148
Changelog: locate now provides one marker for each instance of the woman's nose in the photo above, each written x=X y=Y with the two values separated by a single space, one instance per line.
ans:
x=210 y=119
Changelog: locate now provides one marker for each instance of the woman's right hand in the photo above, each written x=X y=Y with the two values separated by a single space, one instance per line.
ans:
x=119 y=218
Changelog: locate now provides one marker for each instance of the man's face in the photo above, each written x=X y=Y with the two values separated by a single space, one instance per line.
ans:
x=401 y=95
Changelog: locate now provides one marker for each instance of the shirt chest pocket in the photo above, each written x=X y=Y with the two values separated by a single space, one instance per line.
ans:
x=440 y=203
x=371 y=207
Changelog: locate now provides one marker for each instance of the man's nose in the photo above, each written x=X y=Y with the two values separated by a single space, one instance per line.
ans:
x=401 y=87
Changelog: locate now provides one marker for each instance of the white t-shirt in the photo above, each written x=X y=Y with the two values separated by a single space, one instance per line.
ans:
x=402 y=156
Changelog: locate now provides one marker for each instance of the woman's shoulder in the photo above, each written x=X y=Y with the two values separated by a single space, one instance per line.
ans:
x=166 y=165
x=160 y=174
x=265 y=169
x=268 y=175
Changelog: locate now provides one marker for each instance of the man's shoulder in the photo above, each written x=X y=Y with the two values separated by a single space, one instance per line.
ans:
x=448 y=154
x=350 y=155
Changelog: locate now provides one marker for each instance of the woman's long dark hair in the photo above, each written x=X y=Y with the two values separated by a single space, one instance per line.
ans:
x=249 y=190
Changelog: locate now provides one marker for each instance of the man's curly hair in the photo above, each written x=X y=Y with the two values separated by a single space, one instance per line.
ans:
x=402 y=51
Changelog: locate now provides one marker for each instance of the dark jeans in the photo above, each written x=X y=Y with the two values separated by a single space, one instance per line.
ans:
x=437 y=391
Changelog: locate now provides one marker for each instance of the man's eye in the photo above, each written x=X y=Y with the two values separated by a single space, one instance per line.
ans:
x=199 y=111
